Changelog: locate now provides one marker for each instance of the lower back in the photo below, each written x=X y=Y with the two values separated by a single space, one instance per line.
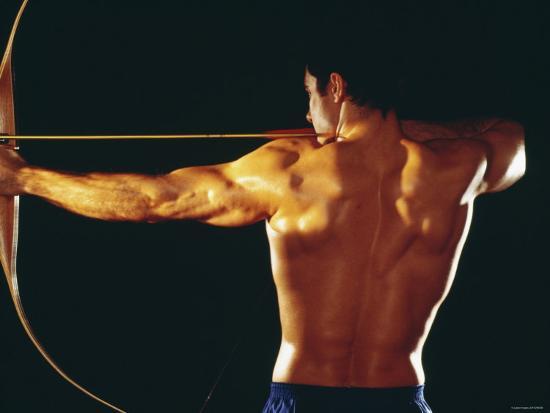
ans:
x=363 y=368
x=346 y=322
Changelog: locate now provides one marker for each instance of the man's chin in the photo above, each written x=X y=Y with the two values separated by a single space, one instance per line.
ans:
x=324 y=137
x=325 y=140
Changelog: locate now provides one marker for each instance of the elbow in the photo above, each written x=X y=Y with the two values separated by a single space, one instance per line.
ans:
x=518 y=166
x=509 y=127
x=514 y=134
x=195 y=205
x=520 y=163
x=159 y=198
x=150 y=212
x=513 y=173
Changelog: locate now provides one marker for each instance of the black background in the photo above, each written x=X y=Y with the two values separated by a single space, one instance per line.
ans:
x=146 y=315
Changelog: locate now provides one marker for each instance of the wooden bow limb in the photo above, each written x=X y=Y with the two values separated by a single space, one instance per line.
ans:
x=9 y=212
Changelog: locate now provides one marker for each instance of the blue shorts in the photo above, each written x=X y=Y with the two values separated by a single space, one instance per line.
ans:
x=301 y=398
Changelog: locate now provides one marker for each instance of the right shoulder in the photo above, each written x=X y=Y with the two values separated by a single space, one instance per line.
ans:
x=437 y=182
x=451 y=170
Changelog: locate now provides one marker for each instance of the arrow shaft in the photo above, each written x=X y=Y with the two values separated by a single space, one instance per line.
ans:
x=145 y=137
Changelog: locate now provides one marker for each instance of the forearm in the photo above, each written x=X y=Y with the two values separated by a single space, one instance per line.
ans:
x=497 y=143
x=114 y=197
x=464 y=129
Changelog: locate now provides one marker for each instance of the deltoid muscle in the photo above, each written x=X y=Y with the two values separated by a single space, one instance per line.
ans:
x=9 y=207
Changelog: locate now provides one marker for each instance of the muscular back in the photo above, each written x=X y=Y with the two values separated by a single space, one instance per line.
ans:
x=365 y=236
x=364 y=245
x=358 y=269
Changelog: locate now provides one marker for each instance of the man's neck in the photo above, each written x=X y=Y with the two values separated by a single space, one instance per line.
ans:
x=368 y=126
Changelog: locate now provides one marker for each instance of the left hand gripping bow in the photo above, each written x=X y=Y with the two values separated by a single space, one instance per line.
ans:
x=9 y=209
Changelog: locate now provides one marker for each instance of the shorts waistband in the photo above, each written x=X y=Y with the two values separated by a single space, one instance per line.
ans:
x=297 y=391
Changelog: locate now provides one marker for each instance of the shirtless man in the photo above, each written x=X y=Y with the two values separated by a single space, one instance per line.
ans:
x=365 y=230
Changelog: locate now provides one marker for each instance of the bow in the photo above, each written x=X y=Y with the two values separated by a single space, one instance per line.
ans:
x=9 y=206
x=9 y=210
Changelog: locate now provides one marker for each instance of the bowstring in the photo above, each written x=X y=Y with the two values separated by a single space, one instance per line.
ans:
x=238 y=343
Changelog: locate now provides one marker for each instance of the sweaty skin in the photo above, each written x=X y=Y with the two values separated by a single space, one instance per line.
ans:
x=365 y=231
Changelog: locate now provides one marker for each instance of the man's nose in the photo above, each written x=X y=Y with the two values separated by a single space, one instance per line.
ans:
x=308 y=117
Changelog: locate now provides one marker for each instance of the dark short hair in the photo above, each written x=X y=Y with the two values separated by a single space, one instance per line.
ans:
x=370 y=61
x=373 y=84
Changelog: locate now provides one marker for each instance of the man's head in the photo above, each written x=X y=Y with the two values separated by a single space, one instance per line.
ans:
x=358 y=71
x=325 y=102
x=329 y=92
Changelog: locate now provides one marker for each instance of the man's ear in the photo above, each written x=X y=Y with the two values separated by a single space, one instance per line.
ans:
x=337 y=87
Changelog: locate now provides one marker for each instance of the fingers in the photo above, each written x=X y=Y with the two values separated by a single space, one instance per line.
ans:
x=9 y=148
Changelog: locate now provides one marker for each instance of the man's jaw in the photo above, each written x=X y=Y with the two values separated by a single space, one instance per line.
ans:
x=329 y=138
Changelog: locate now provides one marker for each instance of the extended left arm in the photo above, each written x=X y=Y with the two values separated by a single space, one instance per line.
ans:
x=183 y=194
x=209 y=194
